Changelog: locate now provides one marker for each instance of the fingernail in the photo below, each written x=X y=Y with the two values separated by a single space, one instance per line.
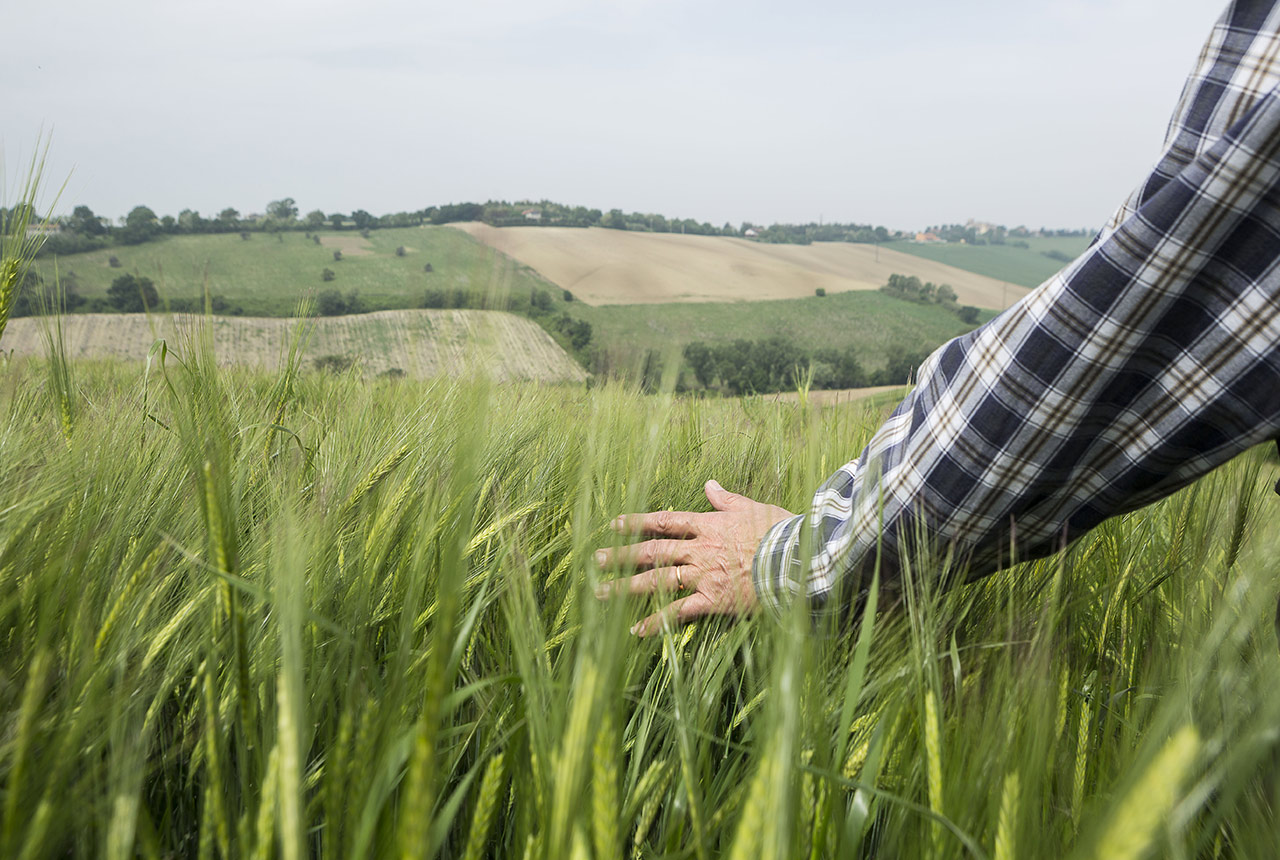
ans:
x=600 y=557
x=635 y=628
x=617 y=524
x=714 y=484
x=602 y=591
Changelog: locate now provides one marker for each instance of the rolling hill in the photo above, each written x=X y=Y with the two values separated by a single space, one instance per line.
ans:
x=609 y=267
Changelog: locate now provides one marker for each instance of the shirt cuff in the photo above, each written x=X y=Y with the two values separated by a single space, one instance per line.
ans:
x=775 y=569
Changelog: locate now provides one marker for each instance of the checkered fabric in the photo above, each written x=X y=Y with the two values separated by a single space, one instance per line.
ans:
x=1142 y=365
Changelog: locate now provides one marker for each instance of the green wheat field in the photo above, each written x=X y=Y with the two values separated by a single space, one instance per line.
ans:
x=313 y=616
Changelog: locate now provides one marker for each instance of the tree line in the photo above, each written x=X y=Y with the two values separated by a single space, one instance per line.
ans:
x=84 y=230
x=777 y=363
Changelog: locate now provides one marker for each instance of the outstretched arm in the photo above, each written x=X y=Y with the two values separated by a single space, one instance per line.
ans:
x=1150 y=360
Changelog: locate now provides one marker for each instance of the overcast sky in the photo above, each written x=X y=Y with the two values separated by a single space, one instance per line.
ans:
x=894 y=113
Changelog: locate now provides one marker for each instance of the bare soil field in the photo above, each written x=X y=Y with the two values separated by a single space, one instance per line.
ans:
x=610 y=267
x=422 y=343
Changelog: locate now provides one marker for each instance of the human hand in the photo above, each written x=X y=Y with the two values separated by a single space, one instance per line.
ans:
x=709 y=554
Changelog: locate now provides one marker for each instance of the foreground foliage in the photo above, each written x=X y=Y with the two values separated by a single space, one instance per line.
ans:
x=305 y=615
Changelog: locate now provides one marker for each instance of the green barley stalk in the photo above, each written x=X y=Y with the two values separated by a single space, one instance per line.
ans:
x=32 y=696
x=55 y=343
x=604 y=790
x=495 y=779
x=933 y=755
x=17 y=248
x=375 y=477
x=1081 y=761
x=1131 y=829
x=652 y=787
x=268 y=806
x=216 y=807
x=1006 y=827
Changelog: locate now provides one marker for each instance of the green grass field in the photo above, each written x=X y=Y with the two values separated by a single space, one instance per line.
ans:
x=302 y=615
x=1027 y=267
x=266 y=275
x=871 y=322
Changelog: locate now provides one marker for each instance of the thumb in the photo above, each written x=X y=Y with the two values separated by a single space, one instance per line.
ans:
x=720 y=498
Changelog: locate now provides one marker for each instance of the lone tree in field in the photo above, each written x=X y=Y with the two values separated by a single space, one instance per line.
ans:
x=328 y=275
x=337 y=255
x=132 y=295
x=400 y=251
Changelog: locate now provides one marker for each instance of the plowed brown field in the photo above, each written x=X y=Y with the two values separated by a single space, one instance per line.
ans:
x=613 y=267
x=420 y=342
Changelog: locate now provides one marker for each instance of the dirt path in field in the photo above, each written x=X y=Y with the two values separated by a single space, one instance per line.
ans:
x=421 y=343
x=350 y=246
x=608 y=267
x=836 y=397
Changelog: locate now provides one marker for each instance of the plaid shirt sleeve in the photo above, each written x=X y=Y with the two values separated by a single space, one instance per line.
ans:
x=1145 y=363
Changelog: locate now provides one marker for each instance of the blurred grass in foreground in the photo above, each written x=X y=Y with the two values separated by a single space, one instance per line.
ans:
x=301 y=615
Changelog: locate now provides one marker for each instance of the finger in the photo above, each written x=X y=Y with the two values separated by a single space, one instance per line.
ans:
x=721 y=499
x=680 y=611
x=677 y=524
x=650 y=553
x=659 y=579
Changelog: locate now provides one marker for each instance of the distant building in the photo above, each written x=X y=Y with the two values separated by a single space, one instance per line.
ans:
x=532 y=214
x=750 y=233
x=929 y=237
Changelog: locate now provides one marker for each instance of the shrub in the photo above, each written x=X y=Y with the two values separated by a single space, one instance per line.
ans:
x=968 y=314
x=316 y=239
x=427 y=268
x=337 y=255
x=820 y=292
x=131 y=294
x=568 y=296
x=113 y=261
x=330 y=303
x=327 y=275
x=244 y=234
x=333 y=363
x=400 y=251
x=540 y=301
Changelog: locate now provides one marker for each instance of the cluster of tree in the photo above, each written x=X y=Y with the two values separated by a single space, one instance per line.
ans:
x=803 y=234
x=909 y=288
x=332 y=303
x=778 y=364
x=995 y=234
